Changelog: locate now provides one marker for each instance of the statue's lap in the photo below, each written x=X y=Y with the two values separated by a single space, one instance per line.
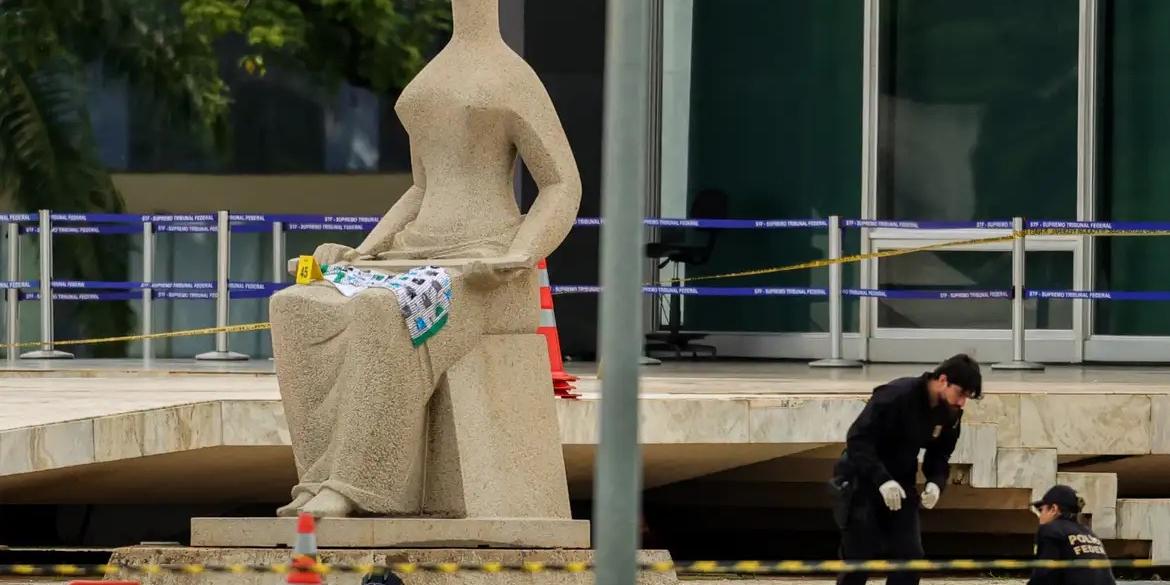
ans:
x=513 y=307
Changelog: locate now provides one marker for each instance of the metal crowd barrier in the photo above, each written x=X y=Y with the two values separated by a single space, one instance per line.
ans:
x=222 y=290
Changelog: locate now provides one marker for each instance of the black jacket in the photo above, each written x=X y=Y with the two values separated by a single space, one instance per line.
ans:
x=1068 y=540
x=883 y=443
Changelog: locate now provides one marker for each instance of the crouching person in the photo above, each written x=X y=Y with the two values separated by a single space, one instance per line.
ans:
x=1062 y=537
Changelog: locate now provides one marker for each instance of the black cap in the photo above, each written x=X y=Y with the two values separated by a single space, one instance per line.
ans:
x=1062 y=496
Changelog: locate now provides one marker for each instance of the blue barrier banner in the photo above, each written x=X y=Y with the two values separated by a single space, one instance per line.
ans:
x=97 y=217
x=197 y=295
x=723 y=224
x=86 y=229
x=94 y=296
x=180 y=218
x=1118 y=226
x=269 y=287
x=189 y=286
x=14 y=217
x=940 y=295
x=289 y=218
x=187 y=229
x=707 y=291
x=98 y=284
x=1112 y=295
x=7 y=284
x=185 y=286
x=928 y=225
x=329 y=227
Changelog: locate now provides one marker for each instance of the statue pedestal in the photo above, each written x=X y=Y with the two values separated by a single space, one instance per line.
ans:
x=263 y=542
x=513 y=533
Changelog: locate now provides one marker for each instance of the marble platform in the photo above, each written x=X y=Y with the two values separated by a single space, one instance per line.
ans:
x=510 y=533
x=106 y=433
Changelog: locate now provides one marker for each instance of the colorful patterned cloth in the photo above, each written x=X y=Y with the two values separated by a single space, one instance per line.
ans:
x=424 y=294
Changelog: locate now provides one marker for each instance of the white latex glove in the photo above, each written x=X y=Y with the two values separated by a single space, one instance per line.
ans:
x=893 y=494
x=930 y=496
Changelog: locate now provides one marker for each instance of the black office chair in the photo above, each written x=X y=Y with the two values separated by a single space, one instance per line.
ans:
x=692 y=247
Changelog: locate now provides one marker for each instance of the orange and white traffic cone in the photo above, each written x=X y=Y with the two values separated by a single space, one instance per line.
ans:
x=562 y=380
x=304 y=561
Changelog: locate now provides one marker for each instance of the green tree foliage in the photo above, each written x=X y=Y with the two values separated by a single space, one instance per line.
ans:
x=48 y=155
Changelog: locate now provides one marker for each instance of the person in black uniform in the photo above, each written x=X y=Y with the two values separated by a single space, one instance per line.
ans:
x=1060 y=536
x=873 y=482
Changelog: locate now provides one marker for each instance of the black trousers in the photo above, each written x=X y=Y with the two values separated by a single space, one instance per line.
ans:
x=874 y=532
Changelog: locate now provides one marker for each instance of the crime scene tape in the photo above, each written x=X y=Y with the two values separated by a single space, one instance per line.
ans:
x=851 y=258
x=182 y=333
x=682 y=568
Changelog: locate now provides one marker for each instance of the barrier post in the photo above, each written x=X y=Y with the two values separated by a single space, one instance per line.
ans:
x=46 y=352
x=222 y=294
x=147 y=292
x=836 y=324
x=12 y=295
x=1019 y=249
x=279 y=262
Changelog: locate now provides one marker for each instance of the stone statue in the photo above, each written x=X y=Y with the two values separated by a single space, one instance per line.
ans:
x=354 y=387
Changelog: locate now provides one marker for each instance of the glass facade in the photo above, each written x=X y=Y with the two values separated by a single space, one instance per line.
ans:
x=978 y=122
x=1134 y=160
x=774 y=118
x=978 y=111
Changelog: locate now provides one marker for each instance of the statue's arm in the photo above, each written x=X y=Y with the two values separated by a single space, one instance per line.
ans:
x=401 y=213
x=536 y=131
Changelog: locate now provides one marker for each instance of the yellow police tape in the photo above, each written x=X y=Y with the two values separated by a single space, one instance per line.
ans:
x=308 y=270
x=183 y=333
x=683 y=568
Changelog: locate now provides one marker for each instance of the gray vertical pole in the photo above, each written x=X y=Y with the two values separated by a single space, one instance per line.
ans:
x=836 y=324
x=222 y=294
x=1019 y=249
x=12 y=295
x=617 y=485
x=279 y=262
x=46 y=244
x=147 y=293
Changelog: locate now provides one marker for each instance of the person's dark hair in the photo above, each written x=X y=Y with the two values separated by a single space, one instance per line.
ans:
x=963 y=371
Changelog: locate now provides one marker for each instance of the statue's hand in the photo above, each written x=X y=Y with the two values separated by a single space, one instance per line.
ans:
x=330 y=254
x=493 y=272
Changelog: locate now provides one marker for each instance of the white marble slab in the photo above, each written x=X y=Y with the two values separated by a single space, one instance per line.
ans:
x=1087 y=425
x=1099 y=490
x=1028 y=468
x=182 y=428
x=1002 y=410
x=46 y=447
x=803 y=419
x=1160 y=424
x=1141 y=519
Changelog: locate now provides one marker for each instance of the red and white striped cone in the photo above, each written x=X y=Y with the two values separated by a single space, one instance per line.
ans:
x=304 y=561
x=562 y=380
